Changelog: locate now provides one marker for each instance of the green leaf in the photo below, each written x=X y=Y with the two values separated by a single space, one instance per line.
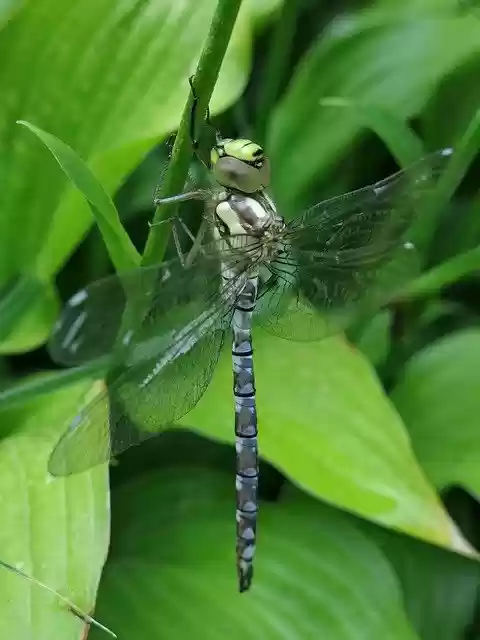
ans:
x=108 y=78
x=439 y=401
x=8 y=8
x=27 y=311
x=460 y=111
x=449 y=272
x=30 y=388
x=55 y=530
x=263 y=9
x=326 y=423
x=374 y=340
x=466 y=150
x=373 y=58
x=171 y=570
x=439 y=588
x=120 y=248
x=402 y=142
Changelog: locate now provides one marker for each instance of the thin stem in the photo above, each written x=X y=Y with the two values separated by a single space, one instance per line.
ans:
x=85 y=617
x=205 y=78
x=276 y=64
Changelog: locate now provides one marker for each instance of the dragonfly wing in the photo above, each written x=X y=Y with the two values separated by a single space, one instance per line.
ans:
x=143 y=400
x=330 y=298
x=164 y=371
x=90 y=322
x=89 y=325
x=346 y=255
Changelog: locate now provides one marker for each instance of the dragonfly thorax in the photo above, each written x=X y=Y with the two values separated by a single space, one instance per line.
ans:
x=239 y=214
x=242 y=220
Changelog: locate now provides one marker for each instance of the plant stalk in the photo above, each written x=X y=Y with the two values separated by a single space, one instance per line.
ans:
x=206 y=76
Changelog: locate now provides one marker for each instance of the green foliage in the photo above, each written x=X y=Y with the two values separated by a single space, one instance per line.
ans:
x=448 y=453
x=331 y=581
x=376 y=426
x=120 y=248
x=27 y=310
x=440 y=589
x=379 y=58
x=56 y=531
x=364 y=465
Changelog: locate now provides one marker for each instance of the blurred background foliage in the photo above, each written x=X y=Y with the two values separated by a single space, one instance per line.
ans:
x=370 y=473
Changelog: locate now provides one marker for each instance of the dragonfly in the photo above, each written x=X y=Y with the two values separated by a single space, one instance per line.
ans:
x=164 y=326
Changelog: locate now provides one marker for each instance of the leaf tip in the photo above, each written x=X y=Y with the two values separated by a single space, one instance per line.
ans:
x=25 y=123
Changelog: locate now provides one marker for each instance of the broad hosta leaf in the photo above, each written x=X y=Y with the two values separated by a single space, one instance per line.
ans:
x=326 y=423
x=439 y=401
x=171 y=571
x=55 y=530
x=440 y=588
x=389 y=58
x=107 y=78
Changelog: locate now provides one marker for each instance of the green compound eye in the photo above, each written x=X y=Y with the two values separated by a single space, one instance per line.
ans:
x=245 y=150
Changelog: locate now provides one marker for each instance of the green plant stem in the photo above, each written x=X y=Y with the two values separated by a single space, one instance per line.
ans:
x=205 y=78
x=276 y=65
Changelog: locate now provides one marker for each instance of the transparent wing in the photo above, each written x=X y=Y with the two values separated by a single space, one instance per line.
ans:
x=346 y=255
x=90 y=321
x=139 y=409
x=165 y=367
x=89 y=325
x=340 y=295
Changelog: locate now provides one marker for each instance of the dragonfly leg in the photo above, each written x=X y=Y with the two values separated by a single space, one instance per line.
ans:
x=197 y=244
x=196 y=240
x=178 y=246
x=197 y=194
x=193 y=115
x=186 y=229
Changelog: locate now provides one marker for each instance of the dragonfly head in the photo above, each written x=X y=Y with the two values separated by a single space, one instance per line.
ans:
x=240 y=164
